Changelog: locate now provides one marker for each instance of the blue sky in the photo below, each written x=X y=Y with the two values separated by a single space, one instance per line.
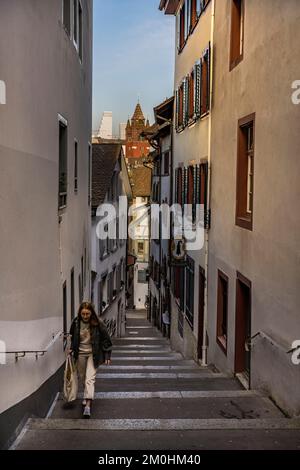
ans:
x=133 y=57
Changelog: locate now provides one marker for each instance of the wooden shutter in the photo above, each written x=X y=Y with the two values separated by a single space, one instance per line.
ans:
x=185 y=186
x=194 y=192
x=176 y=110
x=187 y=12
x=197 y=83
x=186 y=100
x=208 y=77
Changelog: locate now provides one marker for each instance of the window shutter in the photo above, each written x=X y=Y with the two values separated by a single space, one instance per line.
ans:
x=194 y=192
x=187 y=18
x=197 y=84
x=176 y=186
x=208 y=76
x=185 y=97
x=186 y=108
x=185 y=186
x=206 y=212
x=195 y=90
x=176 y=110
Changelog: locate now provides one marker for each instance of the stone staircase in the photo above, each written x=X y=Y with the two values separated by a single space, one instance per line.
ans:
x=151 y=398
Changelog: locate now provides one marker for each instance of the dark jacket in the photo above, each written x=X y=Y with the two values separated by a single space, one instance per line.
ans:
x=101 y=342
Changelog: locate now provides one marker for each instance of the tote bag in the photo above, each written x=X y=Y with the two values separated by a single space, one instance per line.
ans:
x=70 y=380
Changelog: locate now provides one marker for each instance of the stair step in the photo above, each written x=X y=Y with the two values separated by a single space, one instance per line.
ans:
x=173 y=408
x=159 y=375
x=165 y=384
x=154 y=368
x=172 y=394
x=162 y=424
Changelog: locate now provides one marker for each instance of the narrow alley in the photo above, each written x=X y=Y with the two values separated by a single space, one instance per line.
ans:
x=151 y=398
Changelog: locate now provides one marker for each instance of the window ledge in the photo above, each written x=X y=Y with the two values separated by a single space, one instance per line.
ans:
x=235 y=62
x=244 y=222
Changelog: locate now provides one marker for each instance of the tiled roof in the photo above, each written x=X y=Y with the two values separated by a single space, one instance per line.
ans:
x=105 y=157
x=141 y=181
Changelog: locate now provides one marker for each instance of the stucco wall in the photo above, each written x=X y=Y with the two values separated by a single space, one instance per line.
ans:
x=190 y=147
x=268 y=255
x=44 y=78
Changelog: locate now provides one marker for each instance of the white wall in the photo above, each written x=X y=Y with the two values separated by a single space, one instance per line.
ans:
x=44 y=78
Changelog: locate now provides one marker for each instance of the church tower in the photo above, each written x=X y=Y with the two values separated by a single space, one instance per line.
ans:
x=136 y=146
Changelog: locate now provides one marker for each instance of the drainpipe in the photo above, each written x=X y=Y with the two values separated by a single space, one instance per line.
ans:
x=204 y=342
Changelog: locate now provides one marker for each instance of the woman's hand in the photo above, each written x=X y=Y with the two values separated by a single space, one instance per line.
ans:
x=70 y=351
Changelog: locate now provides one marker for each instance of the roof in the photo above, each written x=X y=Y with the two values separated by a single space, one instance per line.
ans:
x=164 y=111
x=105 y=157
x=169 y=6
x=141 y=181
x=138 y=113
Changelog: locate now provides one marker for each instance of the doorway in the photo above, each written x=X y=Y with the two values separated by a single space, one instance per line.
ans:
x=243 y=328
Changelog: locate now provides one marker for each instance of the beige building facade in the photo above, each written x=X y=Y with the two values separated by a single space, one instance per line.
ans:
x=253 y=244
x=248 y=300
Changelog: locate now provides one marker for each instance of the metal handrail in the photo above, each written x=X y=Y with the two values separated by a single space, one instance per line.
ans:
x=272 y=341
x=38 y=353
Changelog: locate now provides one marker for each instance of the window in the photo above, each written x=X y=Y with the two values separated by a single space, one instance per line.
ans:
x=205 y=83
x=222 y=311
x=76 y=168
x=193 y=94
x=182 y=27
x=237 y=33
x=89 y=173
x=80 y=289
x=191 y=190
x=187 y=19
x=179 y=285
x=114 y=282
x=65 y=312
x=85 y=268
x=189 y=307
x=201 y=192
x=82 y=275
x=166 y=162
x=118 y=277
x=245 y=172
x=75 y=22
x=140 y=248
x=63 y=164
x=110 y=286
x=142 y=276
x=67 y=16
x=80 y=38
x=72 y=295
x=179 y=186
x=193 y=13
